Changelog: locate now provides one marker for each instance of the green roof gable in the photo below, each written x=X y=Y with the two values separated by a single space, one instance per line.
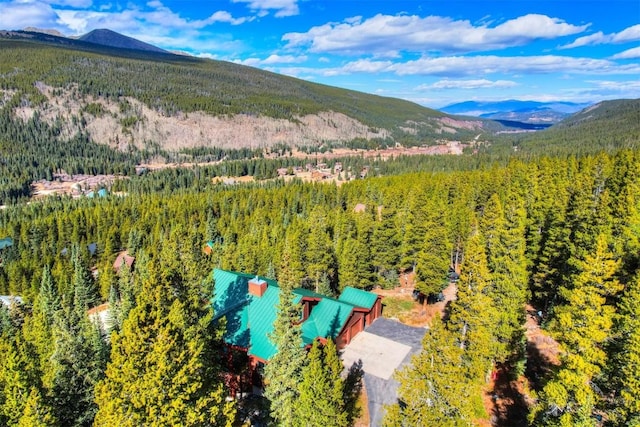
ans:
x=358 y=297
x=326 y=319
x=250 y=318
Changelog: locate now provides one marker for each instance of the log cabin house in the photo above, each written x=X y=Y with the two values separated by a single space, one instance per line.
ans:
x=249 y=305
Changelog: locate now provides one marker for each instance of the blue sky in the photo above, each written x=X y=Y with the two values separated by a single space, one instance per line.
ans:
x=431 y=52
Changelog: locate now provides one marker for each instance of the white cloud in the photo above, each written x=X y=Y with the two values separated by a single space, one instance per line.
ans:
x=158 y=25
x=468 y=84
x=490 y=64
x=223 y=16
x=591 y=39
x=386 y=35
x=284 y=59
x=71 y=3
x=629 y=34
x=368 y=66
x=194 y=42
x=272 y=59
x=17 y=15
x=283 y=8
x=144 y=22
x=80 y=22
x=617 y=86
x=600 y=90
x=633 y=53
x=162 y=15
x=206 y=55
x=462 y=66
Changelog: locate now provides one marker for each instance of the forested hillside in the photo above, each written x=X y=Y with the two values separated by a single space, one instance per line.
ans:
x=608 y=125
x=561 y=234
x=176 y=84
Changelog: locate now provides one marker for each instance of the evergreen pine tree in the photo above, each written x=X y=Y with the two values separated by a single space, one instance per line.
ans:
x=321 y=402
x=38 y=328
x=319 y=256
x=385 y=250
x=550 y=266
x=582 y=326
x=437 y=388
x=19 y=374
x=353 y=266
x=434 y=257
x=292 y=265
x=78 y=363
x=283 y=372
x=413 y=226
x=473 y=314
x=83 y=287
x=36 y=412
x=626 y=359
x=505 y=247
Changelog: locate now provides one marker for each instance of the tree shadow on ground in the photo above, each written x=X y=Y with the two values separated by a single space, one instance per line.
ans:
x=510 y=406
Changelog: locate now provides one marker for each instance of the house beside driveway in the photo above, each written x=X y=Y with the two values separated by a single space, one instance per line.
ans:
x=249 y=305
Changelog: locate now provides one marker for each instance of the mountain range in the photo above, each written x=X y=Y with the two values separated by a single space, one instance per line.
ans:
x=517 y=111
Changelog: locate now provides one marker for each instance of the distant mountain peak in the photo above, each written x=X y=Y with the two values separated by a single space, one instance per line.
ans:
x=110 y=38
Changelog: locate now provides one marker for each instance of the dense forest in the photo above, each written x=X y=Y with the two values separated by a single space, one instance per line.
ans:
x=560 y=233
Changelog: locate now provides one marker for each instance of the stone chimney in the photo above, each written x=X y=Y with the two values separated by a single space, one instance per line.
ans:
x=257 y=287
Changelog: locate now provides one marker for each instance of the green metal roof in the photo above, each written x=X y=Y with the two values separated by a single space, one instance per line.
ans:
x=326 y=319
x=358 y=297
x=250 y=319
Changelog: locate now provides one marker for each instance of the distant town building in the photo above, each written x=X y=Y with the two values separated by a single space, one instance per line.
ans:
x=208 y=248
x=123 y=258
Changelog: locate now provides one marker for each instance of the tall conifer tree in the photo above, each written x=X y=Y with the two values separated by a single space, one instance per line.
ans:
x=582 y=326
x=626 y=359
x=437 y=388
x=322 y=393
x=505 y=247
x=283 y=373
x=473 y=314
